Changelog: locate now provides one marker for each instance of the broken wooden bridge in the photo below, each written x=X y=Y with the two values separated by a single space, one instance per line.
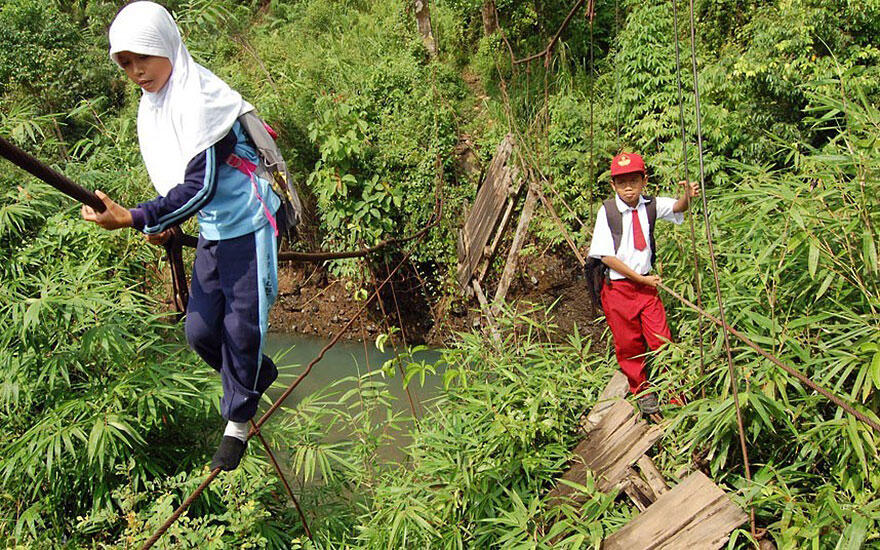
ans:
x=694 y=514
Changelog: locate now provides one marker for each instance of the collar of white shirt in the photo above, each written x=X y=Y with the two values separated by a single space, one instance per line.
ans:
x=623 y=207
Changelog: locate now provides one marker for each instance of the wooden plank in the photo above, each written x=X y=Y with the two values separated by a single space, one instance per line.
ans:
x=611 y=448
x=483 y=266
x=625 y=454
x=618 y=413
x=602 y=447
x=618 y=445
x=513 y=255
x=696 y=514
x=484 y=305
x=513 y=192
x=639 y=492
x=710 y=529
x=616 y=390
x=652 y=475
x=485 y=212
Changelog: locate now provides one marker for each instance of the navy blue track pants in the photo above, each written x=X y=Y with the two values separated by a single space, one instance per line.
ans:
x=234 y=283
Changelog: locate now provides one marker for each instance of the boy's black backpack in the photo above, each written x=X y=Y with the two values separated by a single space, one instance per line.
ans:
x=274 y=170
x=597 y=272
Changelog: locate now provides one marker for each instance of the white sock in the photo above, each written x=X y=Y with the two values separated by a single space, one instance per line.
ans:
x=238 y=430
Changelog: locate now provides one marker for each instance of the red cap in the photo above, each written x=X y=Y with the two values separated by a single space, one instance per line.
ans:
x=627 y=163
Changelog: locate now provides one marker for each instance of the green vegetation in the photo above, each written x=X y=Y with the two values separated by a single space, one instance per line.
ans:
x=107 y=418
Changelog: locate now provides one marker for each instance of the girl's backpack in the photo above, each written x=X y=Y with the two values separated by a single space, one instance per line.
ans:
x=274 y=170
x=596 y=272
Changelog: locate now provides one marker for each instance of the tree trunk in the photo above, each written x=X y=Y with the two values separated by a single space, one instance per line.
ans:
x=423 y=16
x=490 y=23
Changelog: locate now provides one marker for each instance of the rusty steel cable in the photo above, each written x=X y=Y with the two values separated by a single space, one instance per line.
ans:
x=546 y=51
x=687 y=178
x=59 y=181
x=592 y=176
x=323 y=256
x=47 y=174
x=733 y=378
x=283 y=479
x=806 y=380
x=256 y=426
x=336 y=338
x=412 y=405
x=404 y=339
x=616 y=75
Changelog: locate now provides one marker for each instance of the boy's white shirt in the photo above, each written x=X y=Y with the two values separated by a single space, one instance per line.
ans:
x=193 y=111
x=637 y=260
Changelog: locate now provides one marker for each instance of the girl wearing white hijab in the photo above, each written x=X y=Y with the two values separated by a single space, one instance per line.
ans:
x=202 y=162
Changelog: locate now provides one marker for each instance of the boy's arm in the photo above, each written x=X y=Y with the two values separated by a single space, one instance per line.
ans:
x=614 y=263
x=691 y=189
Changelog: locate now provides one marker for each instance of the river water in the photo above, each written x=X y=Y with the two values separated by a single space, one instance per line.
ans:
x=293 y=352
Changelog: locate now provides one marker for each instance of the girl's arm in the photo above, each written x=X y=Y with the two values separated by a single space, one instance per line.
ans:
x=184 y=200
x=187 y=198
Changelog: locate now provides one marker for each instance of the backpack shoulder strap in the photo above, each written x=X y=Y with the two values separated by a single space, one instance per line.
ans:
x=274 y=165
x=615 y=221
x=651 y=209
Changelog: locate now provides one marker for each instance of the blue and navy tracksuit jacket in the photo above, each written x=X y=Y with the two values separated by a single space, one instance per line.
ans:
x=234 y=277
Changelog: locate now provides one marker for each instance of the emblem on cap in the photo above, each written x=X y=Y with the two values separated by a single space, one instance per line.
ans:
x=623 y=160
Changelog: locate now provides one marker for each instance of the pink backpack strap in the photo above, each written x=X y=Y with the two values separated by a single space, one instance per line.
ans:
x=248 y=168
x=271 y=131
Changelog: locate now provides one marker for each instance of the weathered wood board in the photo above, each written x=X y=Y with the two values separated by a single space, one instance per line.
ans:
x=615 y=390
x=616 y=443
x=502 y=181
x=513 y=255
x=695 y=514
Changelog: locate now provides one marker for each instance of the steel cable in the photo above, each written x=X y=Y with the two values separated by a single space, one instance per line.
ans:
x=733 y=379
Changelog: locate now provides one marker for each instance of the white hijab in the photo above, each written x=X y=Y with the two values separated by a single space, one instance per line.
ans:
x=194 y=109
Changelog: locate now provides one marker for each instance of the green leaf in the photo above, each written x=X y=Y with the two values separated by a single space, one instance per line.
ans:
x=813 y=260
x=869 y=249
x=823 y=288
x=875 y=370
x=95 y=438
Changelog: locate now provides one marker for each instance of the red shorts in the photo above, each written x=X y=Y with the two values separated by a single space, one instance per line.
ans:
x=637 y=320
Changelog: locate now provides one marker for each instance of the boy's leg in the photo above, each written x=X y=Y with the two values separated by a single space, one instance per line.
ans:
x=620 y=303
x=204 y=313
x=655 y=329
x=654 y=326
x=248 y=274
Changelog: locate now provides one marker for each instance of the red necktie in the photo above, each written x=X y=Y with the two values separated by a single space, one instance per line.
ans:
x=638 y=235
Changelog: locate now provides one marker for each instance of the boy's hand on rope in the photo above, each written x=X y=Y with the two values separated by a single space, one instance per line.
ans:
x=159 y=238
x=691 y=188
x=114 y=216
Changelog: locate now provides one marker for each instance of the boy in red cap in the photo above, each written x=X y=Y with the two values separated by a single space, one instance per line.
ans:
x=623 y=239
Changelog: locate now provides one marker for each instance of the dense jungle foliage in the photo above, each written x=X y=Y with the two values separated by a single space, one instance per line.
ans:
x=107 y=418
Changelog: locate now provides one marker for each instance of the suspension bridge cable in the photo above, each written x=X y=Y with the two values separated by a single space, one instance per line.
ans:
x=687 y=178
x=732 y=371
